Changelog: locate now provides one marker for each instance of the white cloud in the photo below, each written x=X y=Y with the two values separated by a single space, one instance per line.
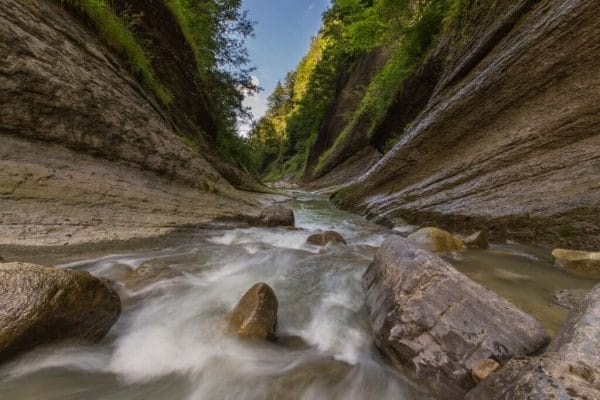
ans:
x=258 y=105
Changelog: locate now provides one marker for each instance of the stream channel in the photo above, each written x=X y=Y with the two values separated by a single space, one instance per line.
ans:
x=169 y=342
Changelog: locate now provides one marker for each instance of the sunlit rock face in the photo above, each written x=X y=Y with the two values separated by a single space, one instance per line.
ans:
x=505 y=139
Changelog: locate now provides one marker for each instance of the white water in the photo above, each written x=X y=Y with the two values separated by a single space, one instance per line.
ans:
x=169 y=342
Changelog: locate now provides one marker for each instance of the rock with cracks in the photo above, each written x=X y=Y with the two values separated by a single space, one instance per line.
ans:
x=41 y=305
x=435 y=324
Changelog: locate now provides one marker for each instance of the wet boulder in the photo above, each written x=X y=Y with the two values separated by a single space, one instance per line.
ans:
x=478 y=240
x=436 y=324
x=41 y=305
x=255 y=315
x=584 y=263
x=568 y=369
x=436 y=240
x=148 y=274
x=276 y=215
x=324 y=238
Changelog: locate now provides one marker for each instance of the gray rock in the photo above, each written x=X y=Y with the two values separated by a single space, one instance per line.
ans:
x=255 y=315
x=41 y=305
x=436 y=324
x=569 y=298
x=569 y=369
x=324 y=238
x=276 y=215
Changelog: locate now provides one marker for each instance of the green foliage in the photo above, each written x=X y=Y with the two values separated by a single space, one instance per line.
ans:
x=412 y=32
x=116 y=33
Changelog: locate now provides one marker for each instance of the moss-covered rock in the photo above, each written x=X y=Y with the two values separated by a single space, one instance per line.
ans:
x=437 y=240
x=585 y=263
x=42 y=305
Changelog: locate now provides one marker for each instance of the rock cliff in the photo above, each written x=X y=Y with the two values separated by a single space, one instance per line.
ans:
x=497 y=128
x=86 y=152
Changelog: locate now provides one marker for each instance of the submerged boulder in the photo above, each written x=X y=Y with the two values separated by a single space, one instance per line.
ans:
x=255 y=315
x=478 y=240
x=437 y=240
x=148 y=274
x=41 y=305
x=324 y=238
x=569 y=369
x=585 y=263
x=436 y=324
x=276 y=215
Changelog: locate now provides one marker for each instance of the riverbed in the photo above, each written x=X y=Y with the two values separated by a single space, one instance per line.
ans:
x=169 y=342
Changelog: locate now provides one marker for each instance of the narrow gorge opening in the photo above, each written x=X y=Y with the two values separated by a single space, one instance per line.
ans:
x=317 y=199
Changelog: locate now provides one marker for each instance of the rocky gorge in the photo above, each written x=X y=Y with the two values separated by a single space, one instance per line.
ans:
x=138 y=260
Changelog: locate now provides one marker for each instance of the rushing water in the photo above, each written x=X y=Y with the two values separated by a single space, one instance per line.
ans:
x=169 y=341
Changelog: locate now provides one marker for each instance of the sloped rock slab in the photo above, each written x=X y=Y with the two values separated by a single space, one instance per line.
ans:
x=569 y=369
x=435 y=324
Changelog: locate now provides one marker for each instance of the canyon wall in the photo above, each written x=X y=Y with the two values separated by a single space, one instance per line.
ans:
x=497 y=129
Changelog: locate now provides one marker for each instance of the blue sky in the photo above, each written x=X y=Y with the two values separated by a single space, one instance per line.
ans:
x=282 y=36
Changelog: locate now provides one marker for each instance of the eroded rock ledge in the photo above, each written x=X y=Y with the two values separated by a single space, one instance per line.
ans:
x=86 y=153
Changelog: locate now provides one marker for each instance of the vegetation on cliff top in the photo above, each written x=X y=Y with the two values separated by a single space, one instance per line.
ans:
x=281 y=140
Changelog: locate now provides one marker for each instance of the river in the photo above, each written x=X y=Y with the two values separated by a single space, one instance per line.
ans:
x=169 y=341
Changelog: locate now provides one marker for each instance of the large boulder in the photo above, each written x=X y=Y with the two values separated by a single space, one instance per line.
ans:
x=569 y=298
x=41 y=305
x=436 y=240
x=569 y=369
x=436 y=324
x=324 y=238
x=276 y=215
x=255 y=315
x=584 y=263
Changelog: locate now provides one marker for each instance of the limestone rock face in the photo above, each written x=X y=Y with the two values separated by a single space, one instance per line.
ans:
x=584 y=263
x=324 y=238
x=276 y=215
x=436 y=324
x=569 y=369
x=498 y=140
x=41 y=305
x=436 y=240
x=255 y=315
x=87 y=154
